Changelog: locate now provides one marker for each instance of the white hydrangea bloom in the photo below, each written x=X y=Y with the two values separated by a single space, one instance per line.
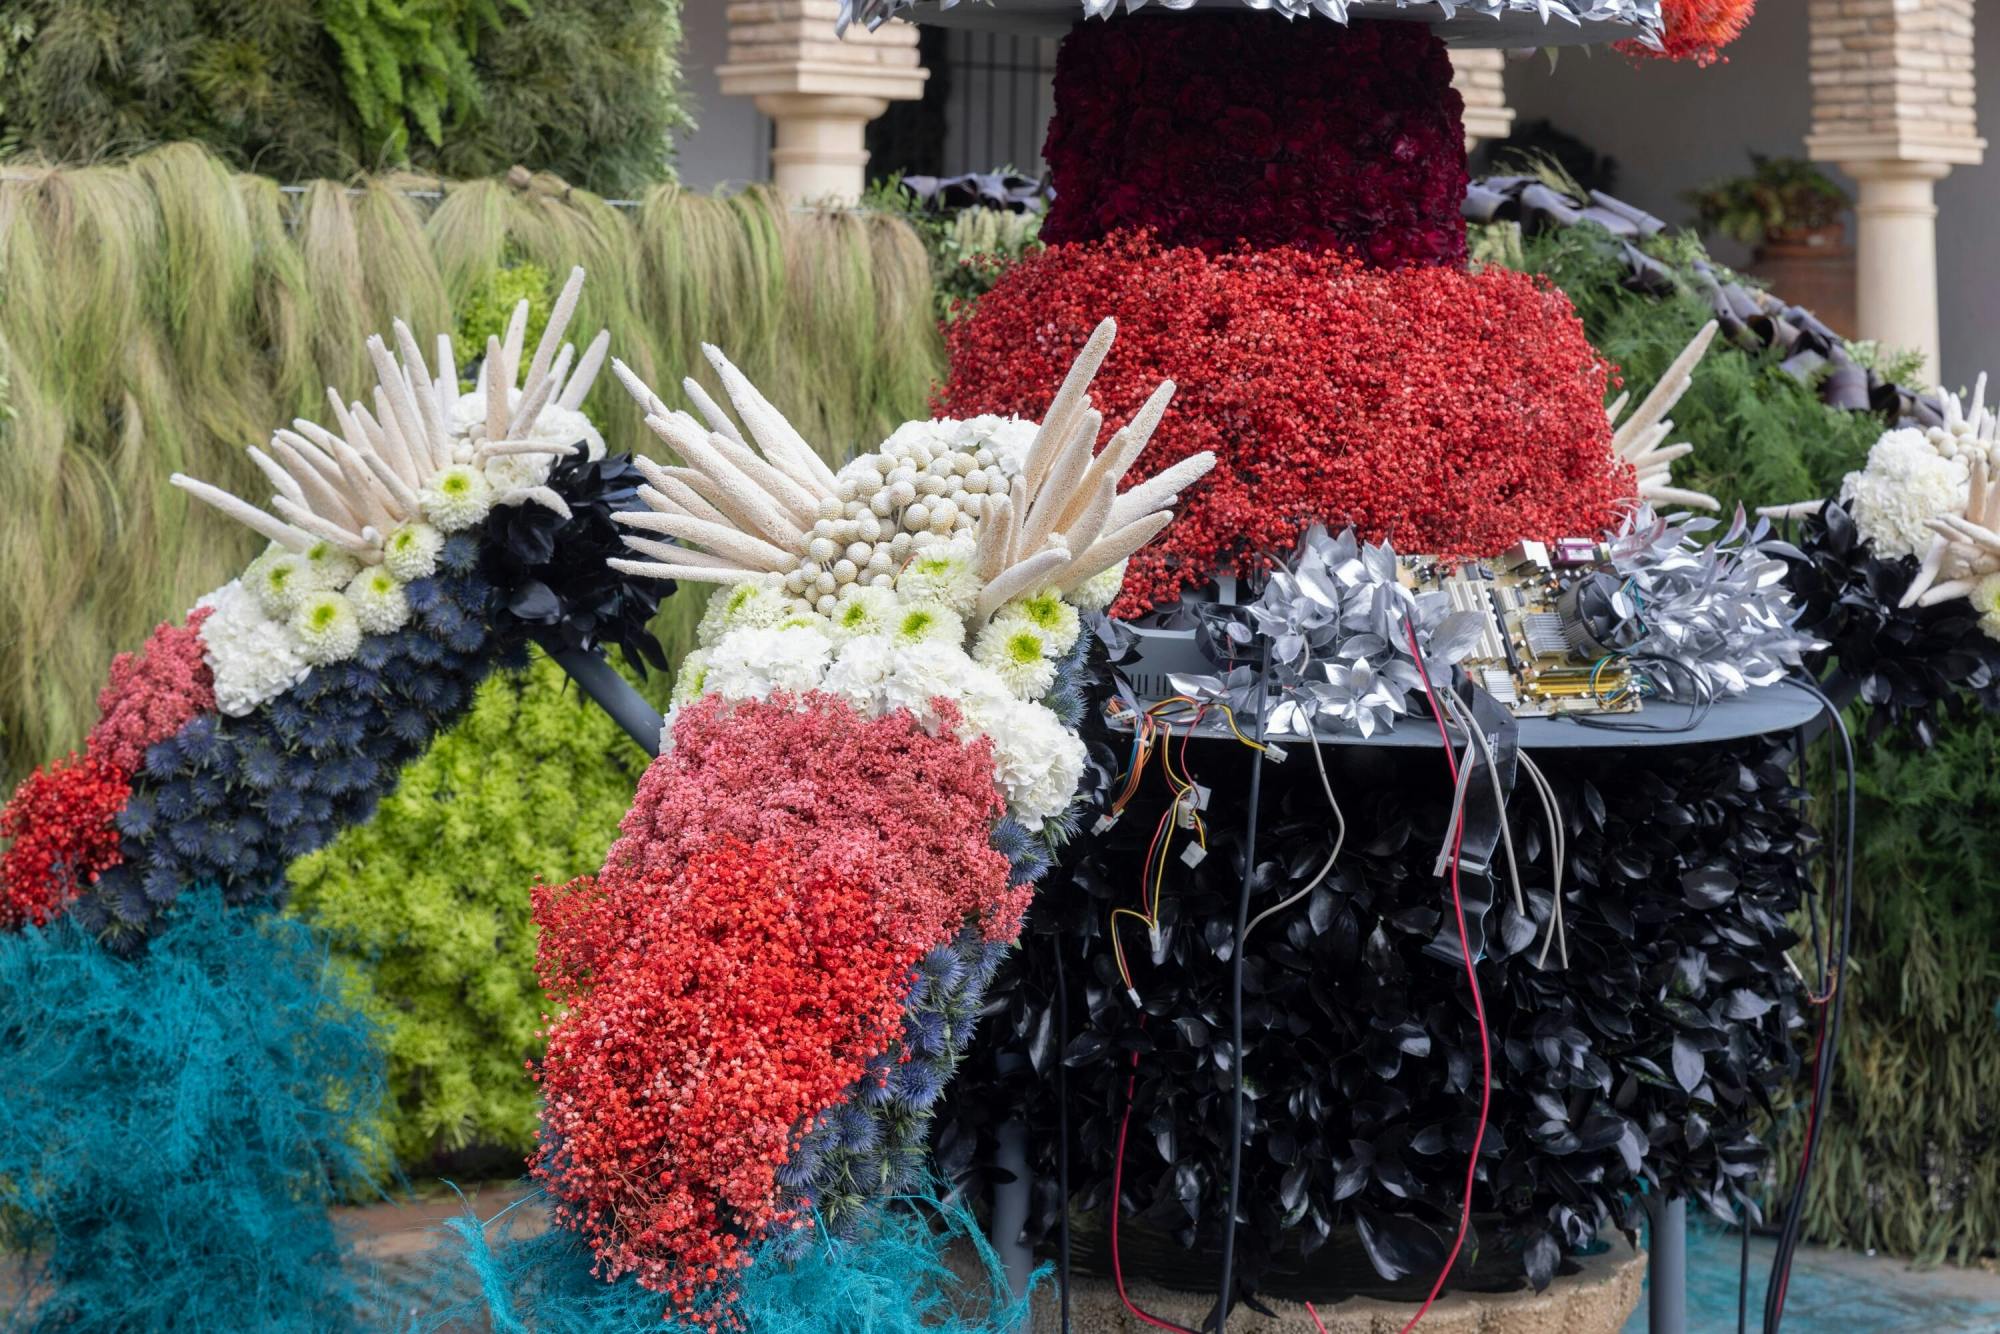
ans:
x=252 y=657
x=411 y=552
x=755 y=604
x=860 y=672
x=327 y=628
x=456 y=498
x=1017 y=652
x=379 y=601
x=755 y=663
x=1100 y=590
x=1905 y=483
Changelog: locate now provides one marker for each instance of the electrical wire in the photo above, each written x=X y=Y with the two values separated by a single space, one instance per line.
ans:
x=1478 y=1006
x=1559 y=854
x=1339 y=841
x=1118 y=1195
x=1827 y=1047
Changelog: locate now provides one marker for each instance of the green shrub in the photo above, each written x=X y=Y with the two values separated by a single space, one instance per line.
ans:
x=428 y=902
x=304 y=88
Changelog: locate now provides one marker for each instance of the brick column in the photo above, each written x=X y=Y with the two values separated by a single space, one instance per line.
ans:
x=1479 y=75
x=820 y=91
x=1893 y=107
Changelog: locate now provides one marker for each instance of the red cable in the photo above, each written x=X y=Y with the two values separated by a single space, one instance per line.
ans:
x=1118 y=1194
x=1478 y=1002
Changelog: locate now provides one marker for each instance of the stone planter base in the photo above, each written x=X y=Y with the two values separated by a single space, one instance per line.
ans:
x=1597 y=1299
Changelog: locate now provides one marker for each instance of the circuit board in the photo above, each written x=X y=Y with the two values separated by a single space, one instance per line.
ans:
x=1536 y=654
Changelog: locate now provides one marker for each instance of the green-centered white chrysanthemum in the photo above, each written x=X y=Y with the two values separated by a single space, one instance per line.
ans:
x=1048 y=612
x=1986 y=595
x=1017 y=651
x=1100 y=590
x=327 y=628
x=942 y=574
x=928 y=622
x=328 y=569
x=281 y=582
x=756 y=604
x=692 y=677
x=378 y=600
x=864 y=610
x=456 y=497
x=411 y=552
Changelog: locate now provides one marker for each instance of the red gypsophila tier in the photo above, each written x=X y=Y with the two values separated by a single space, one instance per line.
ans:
x=1696 y=30
x=1452 y=413
x=60 y=837
x=152 y=694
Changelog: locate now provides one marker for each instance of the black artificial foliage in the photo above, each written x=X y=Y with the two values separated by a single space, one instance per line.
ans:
x=1644 y=1065
x=549 y=573
x=1914 y=667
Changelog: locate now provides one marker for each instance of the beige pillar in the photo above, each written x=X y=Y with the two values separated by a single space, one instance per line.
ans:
x=820 y=91
x=1893 y=107
x=1479 y=74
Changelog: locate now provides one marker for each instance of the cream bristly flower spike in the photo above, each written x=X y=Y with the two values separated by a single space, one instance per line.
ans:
x=735 y=513
x=1641 y=439
x=353 y=486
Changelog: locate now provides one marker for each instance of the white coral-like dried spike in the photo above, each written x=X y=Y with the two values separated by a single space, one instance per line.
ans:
x=354 y=485
x=756 y=500
x=1641 y=439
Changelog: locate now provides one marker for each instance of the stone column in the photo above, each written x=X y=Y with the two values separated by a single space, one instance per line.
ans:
x=1479 y=74
x=1893 y=107
x=820 y=91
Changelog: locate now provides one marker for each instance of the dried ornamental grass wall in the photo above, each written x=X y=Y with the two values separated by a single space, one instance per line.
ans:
x=162 y=314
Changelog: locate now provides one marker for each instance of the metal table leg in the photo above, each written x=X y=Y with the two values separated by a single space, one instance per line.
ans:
x=1666 y=1271
x=1010 y=1208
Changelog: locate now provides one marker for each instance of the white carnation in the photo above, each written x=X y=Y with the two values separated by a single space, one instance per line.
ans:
x=860 y=672
x=757 y=663
x=1905 y=483
x=1100 y=590
x=924 y=671
x=1037 y=762
x=252 y=657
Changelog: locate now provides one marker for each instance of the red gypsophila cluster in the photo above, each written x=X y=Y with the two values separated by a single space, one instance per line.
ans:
x=1220 y=129
x=743 y=957
x=1696 y=30
x=60 y=837
x=152 y=694
x=1451 y=413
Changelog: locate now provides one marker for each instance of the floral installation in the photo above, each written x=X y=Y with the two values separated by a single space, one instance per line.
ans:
x=1696 y=30
x=1329 y=394
x=398 y=575
x=1643 y=15
x=871 y=759
x=1241 y=128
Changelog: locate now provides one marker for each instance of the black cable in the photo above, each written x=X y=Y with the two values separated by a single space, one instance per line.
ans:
x=1062 y=1126
x=1236 y=1011
x=1794 y=1223
x=1743 y=1273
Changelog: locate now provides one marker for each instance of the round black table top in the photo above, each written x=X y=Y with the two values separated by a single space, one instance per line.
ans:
x=1761 y=711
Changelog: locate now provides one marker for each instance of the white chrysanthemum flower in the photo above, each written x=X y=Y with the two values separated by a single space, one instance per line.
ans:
x=1037 y=762
x=690 y=683
x=1990 y=623
x=1016 y=651
x=1986 y=596
x=513 y=472
x=942 y=574
x=281 y=582
x=411 y=552
x=860 y=672
x=456 y=498
x=923 y=671
x=329 y=569
x=1905 y=484
x=754 y=604
x=378 y=600
x=1050 y=613
x=864 y=610
x=554 y=425
x=757 y=663
x=927 y=622
x=327 y=628
x=252 y=657
x=1100 y=590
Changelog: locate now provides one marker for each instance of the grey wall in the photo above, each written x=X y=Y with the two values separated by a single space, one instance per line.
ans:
x=1673 y=126
x=731 y=141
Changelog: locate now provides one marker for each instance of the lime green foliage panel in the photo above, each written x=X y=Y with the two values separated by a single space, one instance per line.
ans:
x=428 y=902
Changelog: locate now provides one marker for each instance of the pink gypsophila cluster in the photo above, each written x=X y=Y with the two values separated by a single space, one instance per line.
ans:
x=876 y=797
x=152 y=694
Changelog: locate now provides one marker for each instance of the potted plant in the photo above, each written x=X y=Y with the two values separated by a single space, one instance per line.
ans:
x=1791 y=214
